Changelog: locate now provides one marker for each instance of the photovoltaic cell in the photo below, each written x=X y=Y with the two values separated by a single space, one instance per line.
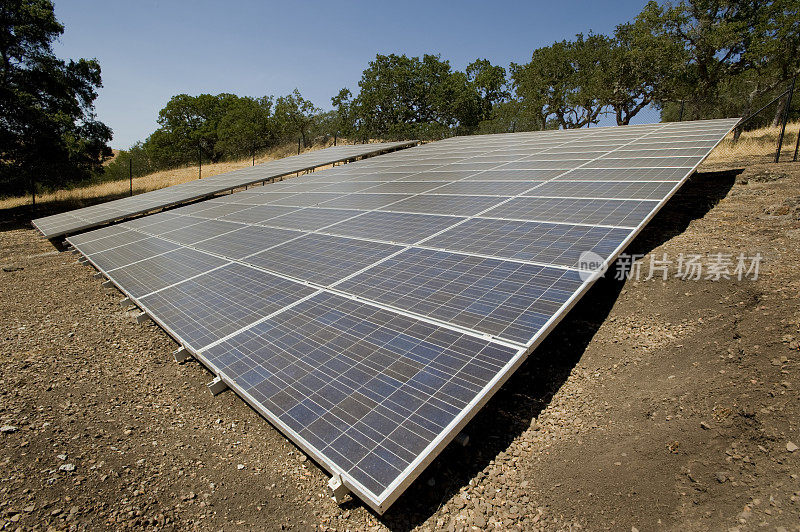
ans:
x=143 y=248
x=489 y=188
x=156 y=273
x=496 y=297
x=515 y=175
x=322 y=259
x=220 y=302
x=366 y=388
x=442 y=204
x=194 y=232
x=365 y=201
x=629 y=174
x=623 y=213
x=246 y=241
x=258 y=214
x=650 y=190
x=546 y=243
x=393 y=227
x=310 y=219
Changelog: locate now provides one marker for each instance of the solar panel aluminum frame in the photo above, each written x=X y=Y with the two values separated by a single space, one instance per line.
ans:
x=89 y=225
x=381 y=502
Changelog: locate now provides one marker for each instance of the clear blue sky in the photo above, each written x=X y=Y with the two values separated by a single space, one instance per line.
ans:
x=151 y=50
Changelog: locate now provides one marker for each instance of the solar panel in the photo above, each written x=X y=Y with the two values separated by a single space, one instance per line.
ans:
x=371 y=332
x=82 y=219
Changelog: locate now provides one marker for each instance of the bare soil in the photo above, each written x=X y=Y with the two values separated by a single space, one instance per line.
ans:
x=654 y=405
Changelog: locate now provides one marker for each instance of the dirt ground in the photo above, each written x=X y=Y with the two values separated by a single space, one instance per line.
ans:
x=654 y=405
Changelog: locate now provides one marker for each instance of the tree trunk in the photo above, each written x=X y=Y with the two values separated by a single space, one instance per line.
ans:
x=781 y=108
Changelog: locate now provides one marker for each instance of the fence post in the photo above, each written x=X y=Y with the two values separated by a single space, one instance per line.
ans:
x=298 y=145
x=200 y=163
x=334 y=139
x=796 y=146
x=680 y=115
x=785 y=119
x=130 y=173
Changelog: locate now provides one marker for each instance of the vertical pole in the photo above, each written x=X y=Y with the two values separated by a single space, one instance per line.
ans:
x=796 y=146
x=298 y=145
x=334 y=139
x=33 y=193
x=785 y=119
x=680 y=115
x=200 y=163
x=130 y=173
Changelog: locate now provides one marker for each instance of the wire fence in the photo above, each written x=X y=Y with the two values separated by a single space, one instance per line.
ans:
x=768 y=133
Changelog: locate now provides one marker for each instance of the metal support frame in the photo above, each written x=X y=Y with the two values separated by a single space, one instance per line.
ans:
x=98 y=275
x=142 y=317
x=107 y=284
x=784 y=121
x=126 y=302
x=217 y=386
x=181 y=355
x=338 y=490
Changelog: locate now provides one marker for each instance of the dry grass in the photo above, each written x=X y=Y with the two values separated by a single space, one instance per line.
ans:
x=154 y=181
x=755 y=144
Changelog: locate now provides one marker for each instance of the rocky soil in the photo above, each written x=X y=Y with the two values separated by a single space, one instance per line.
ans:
x=656 y=404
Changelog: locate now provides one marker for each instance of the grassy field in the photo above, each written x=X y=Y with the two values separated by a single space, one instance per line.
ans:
x=80 y=196
x=752 y=146
x=755 y=145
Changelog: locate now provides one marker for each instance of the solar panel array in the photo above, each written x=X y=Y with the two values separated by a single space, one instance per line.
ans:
x=369 y=310
x=88 y=217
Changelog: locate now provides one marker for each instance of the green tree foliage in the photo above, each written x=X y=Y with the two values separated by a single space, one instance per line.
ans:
x=405 y=97
x=246 y=127
x=642 y=67
x=489 y=82
x=48 y=133
x=564 y=83
x=295 y=116
x=737 y=52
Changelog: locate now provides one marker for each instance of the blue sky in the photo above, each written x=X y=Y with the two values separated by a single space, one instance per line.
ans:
x=151 y=50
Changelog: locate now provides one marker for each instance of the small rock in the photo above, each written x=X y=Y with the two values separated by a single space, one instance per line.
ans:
x=12 y=268
x=791 y=447
x=61 y=456
x=8 y=429
x=240 y=467
x=28 y=509
x=67 y=467
x=705 y=426
x=721 y=477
